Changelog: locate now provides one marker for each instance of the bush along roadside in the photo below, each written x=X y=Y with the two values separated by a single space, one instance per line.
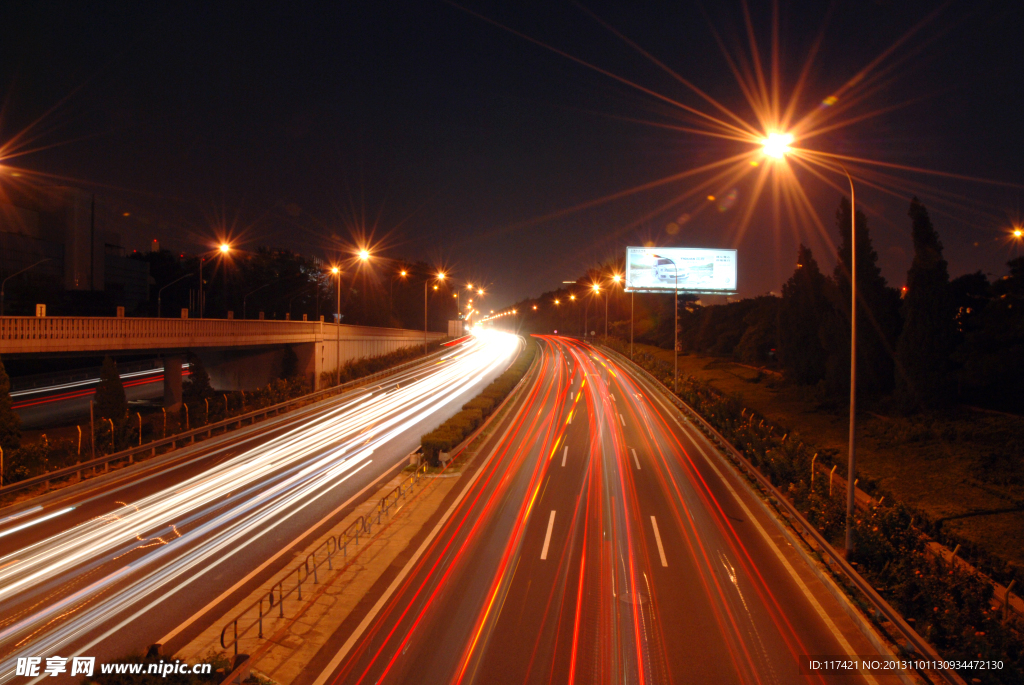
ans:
x=454 y=430
x=949 y=605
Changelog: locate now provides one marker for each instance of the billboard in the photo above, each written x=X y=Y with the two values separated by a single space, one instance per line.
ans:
x=696 y=270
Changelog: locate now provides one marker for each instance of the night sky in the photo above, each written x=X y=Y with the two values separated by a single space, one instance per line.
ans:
x=461 y=143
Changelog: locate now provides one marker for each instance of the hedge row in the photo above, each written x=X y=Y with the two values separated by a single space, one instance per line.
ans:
x=947 y=604
x=454 y=430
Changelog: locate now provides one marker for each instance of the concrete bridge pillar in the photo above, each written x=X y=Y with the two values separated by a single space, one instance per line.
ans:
x=172 y=381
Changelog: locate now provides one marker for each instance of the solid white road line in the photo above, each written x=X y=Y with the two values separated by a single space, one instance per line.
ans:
x=372 y=613
x=547 y=537
x=565 y=453
x=622 y=420
x=635 y=460
x=657 y=538
x=812 y=600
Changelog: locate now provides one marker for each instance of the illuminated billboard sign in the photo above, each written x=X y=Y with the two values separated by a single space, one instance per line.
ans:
x=690 y=269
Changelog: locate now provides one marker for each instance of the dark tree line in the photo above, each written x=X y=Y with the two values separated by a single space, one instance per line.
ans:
x=281 y=283
x=944 y=341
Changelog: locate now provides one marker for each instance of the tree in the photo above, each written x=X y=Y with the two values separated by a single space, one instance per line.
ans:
x=197 y=386
x=111 y=402
x=878 y=317
x=10 y=422
x=804 y=306
x=992 y=354
x=926 y=343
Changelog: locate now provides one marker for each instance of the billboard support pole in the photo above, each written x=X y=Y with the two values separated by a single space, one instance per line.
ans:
x=632 y=296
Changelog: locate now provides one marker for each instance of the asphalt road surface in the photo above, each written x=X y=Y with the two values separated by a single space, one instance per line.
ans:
x=602 y=541
x=152 y=553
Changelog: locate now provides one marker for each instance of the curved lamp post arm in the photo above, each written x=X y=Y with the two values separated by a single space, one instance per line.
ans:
x=3 y=284
x=160 y=293
x=246 y=297
x=851 y=479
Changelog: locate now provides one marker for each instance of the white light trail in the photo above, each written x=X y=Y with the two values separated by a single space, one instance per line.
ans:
x=131 y=552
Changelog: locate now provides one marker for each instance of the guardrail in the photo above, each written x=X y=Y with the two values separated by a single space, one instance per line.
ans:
x=837 y=562
x=150 y=449
x=309 y=566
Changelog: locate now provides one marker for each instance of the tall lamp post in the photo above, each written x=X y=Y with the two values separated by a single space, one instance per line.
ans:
x=222 y=249
x=337 y=327
x=777 y=145
x=3 y=284
x=391 y=297
x=851 y=469
x=440 y=277
x=675 y=345
x=160 y=293
x=615 y=279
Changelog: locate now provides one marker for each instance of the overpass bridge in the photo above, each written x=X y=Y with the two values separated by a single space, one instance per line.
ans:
x=238 y=354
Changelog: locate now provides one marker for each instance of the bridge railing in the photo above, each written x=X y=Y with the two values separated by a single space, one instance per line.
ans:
x=27 y=334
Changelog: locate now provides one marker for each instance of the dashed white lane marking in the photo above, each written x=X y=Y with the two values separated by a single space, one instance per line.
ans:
x=657 y=538
x=635 y=460
x=622 y=420
x=547 y=537
x=565 y=453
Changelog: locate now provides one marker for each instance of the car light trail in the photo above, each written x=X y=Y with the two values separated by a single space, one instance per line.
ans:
x=131 y=553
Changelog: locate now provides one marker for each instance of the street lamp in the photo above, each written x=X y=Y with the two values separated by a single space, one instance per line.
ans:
x=391 y=296
x=675 y=346
x=4 y=283
x=777 y=145
x=223 y=249
x=440 y=277
x=615 y=278
x=160 y=292
x=337 y=327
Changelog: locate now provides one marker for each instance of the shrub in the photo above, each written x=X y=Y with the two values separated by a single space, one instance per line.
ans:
x=466 y=421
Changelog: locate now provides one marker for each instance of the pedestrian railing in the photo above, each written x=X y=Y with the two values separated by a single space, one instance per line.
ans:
x=151 y=449
x=324 y=555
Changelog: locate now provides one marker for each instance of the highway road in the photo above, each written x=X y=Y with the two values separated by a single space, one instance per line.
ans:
x=152 y=553
x=59 y=404
x=602 y=541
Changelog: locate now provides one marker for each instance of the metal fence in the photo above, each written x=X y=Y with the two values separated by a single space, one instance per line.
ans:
x=323 y=555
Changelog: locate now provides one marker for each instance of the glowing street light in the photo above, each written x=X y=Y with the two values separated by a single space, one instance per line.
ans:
x=777 y=144
x=364 y=255
x=440 y=277
x=225 y=248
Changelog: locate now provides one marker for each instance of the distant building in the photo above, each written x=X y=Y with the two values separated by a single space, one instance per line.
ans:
x=86 y=271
